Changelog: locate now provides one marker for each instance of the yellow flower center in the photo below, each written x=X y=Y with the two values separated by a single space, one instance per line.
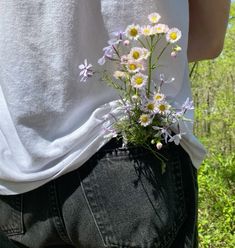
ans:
x=133 y=32
x=146 y=31
x=162 y=107
x=144 y=118
x=154 y=19
x=136 y=55
x=173 y=35
x=150 y=106
x=158 y=97
x=138 y=80
x=132 y=67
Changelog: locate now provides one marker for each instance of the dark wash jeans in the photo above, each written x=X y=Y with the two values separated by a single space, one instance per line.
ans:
x=118 y=198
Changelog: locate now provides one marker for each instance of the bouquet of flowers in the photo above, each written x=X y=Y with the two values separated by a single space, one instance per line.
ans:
x=134 y=55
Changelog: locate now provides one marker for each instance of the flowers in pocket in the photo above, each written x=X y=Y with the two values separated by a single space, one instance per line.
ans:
x=135 y=57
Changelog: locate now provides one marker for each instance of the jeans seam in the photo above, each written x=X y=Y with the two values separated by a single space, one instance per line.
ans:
x=21 y=214
x=56 y=215
x=195 y=189
x=184 y=213
x=179 y=186
x=92 y=214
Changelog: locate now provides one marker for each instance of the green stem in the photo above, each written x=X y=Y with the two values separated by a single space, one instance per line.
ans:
x=129 y=92
x=150 y=68
x=149 y=45
x=163 y=50
x=142 y=43
x=116 y=51
x=156 y=154
x=158 y=39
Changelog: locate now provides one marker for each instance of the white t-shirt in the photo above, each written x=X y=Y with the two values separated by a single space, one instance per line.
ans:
x=50 y=122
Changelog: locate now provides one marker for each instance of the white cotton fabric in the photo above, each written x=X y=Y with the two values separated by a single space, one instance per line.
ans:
x=50 y=122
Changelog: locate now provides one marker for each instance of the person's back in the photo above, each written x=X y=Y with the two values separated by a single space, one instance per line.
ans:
x=52 y=124
x=46 y=121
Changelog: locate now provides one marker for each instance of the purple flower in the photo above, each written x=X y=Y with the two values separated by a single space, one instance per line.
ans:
x=118 y=37
x=164 y=80
x=165 y=133
x=119 y=34
x=110 y=49
x=176 y=138
x=86 y=71
x=111 y=132
x=101 y=61
x=108 y=53
x=188 y=105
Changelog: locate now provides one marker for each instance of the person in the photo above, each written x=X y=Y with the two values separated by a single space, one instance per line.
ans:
x=62 y=183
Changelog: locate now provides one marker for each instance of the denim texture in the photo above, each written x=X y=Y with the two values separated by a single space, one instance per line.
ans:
x=5 y=242
x=120 y=197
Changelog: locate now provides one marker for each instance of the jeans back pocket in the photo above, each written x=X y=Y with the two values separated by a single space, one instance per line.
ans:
x=133 y=203
x=11 y=219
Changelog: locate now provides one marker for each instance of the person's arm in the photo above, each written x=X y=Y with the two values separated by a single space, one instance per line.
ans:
x=208 y=21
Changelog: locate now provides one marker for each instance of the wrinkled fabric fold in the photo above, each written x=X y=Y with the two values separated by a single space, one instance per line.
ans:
x=51 y=123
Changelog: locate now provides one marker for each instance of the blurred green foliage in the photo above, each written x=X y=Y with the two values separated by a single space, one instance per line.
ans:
x=213 y=85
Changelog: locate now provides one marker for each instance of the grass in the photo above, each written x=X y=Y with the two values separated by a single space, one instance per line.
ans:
x=217 y=202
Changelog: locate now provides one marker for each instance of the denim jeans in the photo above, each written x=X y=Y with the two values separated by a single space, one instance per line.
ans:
x=120 y=197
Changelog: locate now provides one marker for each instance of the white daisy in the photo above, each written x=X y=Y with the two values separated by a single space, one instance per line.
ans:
x=139 y=80
x=160 y=29
x=154 y=18
x=145 y=120
x=146 y=30
x=136 y=53
x=162 y=107
x=158 y=97
x=133 y=31
x=134 y=66
x=150 y=106
x=173 y=35
x=120 y=74
x=146 y=53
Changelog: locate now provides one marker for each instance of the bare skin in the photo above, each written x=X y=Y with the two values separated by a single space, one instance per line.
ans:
x=207 y=28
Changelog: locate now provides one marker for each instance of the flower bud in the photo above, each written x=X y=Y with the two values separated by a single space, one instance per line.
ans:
x=135 y=98
x=124 y=59
x=119 y=74
x=152 y=141
x=173 y=54
x=126 y=42
x=159 y=145
x=178 y=49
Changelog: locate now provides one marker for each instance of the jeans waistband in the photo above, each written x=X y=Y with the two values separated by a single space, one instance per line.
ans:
x=115 y=146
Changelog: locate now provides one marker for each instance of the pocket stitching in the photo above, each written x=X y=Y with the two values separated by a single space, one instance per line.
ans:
x=17 y=218
x=175 y=226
